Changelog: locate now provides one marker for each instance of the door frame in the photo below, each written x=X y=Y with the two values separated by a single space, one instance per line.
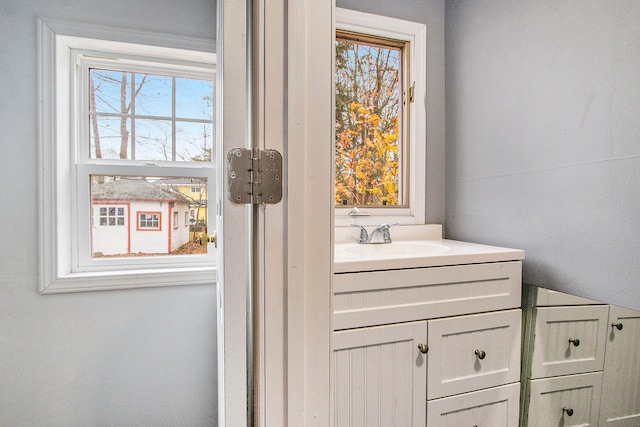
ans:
x=290 y=276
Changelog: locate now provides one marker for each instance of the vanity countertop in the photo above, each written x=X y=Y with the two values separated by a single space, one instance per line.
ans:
x=417 y=249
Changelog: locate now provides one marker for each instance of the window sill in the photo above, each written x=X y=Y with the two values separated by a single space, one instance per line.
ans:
x=143 y=278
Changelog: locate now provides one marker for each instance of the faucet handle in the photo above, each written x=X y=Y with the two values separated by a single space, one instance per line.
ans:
x=385 y=226
x=386 y=235
x=364 y=236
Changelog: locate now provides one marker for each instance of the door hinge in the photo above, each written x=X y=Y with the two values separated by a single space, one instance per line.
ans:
x=254 y=176
x=412 y=91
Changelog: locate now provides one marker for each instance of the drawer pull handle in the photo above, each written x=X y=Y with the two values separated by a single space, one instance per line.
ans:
x=423 y=348
x=569 y=411
x=575 y=342
x=618 y=326
x=481 y=354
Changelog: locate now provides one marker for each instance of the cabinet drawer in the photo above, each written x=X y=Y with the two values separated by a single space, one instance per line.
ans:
x=554 y=354
x=495 y=407
x=553 y=399
x=454 y=367
x=383 y=297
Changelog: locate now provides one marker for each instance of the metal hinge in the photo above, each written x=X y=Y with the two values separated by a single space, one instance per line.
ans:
x=254 y=176
x=412 y=91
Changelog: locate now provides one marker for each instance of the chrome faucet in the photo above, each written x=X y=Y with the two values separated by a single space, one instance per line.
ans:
x=367 y=238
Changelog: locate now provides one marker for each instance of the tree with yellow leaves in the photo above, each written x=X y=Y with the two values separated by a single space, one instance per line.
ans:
x=367 y=124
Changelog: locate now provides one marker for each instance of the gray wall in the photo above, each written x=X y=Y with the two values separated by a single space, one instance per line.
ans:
x=134 y=357
x=430 y=13
x=543 y=138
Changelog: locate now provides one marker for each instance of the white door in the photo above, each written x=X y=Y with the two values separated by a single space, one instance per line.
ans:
x=276 y=261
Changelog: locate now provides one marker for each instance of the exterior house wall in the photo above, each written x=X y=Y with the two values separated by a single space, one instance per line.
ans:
x=179 y=230
x=148 y=239
x=130 y=237
x=110 y=239
x=201 y=197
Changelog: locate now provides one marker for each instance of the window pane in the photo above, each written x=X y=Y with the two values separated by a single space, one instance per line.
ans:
x=140 y=122
x=368 y=123
x=110 y=91
x=109 y=137
x=153 y=97
x=154 y=140
x=194 y=141
x=194 y=99
x=132 y=213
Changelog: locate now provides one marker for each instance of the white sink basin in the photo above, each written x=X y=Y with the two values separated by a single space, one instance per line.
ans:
x=391 y=250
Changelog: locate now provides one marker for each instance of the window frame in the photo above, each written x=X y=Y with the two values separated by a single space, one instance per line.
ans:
x=158 y=219
x=414 y=126
x=65 y=206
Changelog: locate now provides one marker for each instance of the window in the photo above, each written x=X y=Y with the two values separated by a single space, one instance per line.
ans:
x=149 y=220
x=127 y=126
x=111 y=216
x=379 y=119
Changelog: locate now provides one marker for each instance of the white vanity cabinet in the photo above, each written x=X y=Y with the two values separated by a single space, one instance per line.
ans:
x=563 y=348
x=594 y=383
x=436 y=346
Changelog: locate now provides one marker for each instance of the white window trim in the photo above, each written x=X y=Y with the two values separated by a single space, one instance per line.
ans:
x=416 y=35
x=58 y=240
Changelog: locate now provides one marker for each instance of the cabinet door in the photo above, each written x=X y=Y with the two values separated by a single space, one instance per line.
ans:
x=571 y=400
x=621 y=385
x=495 y=407
x=556 y=351
x=380 y=376
x=472 y=352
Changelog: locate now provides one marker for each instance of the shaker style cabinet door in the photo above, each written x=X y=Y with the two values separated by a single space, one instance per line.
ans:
x=380 y=376
x=569 y=340
x=621 y=384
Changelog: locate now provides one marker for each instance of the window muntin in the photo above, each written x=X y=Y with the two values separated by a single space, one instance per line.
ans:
x=369 y=132
x=144 y=116
x=111 y=216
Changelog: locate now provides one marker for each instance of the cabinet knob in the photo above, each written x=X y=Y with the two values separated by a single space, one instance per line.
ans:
x=423 y=348
x=569 y=411
x=618 y=326
x=575 y=341
x=481 y=354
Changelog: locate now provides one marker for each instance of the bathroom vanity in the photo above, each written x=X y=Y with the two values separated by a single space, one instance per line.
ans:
x=580 y=362
x=426 y=332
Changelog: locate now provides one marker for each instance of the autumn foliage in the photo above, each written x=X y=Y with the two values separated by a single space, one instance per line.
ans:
x=367 y=128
